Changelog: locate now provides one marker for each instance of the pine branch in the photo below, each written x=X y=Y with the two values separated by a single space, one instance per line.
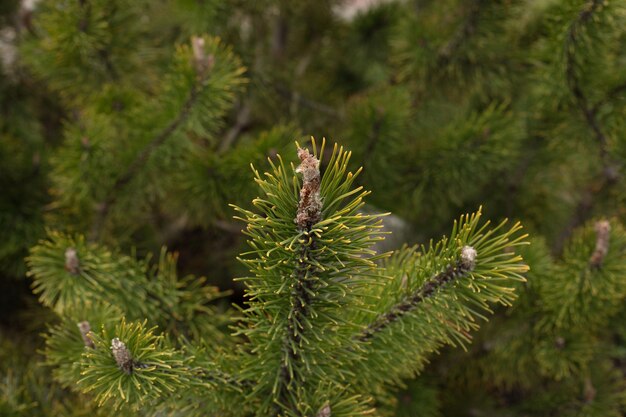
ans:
x=463 y=266
x=461 y=35
x=309 y=212
x=242 y=121
x=611 y=94
x=104 y=207
x=574 y=84
x=609 y=174
x=434 y=297
x=586 y=287
x=594 y=191
x=445 y=54
x=102 y=53
x=304 y=101
x=307 y=279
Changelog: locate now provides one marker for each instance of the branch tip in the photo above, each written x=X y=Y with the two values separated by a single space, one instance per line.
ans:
x=201 y=60
x=310 y=205
x=72 y=264
x=122 y=356
x=325 y=411
x=603 y=231
x=468 y=257
x=85 y=328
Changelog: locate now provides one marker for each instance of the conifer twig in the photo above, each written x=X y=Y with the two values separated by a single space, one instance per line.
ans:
x=242 y=121
x=463 y=266
x=103 y=53
x=609 y=173
x=443 y=56
x=301 y=99
x=573 y=82
x=460 y=35
x=612 y=93
x=582 y=211
x=142 y=158
x=309 y=213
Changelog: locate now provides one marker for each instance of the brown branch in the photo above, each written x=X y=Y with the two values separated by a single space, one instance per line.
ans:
x=104 y=207
x=596 y=189
x=609 y=174
x=241 y=123
x=463 y=266
x=445 y=53
x=306 y=102
x=574 y=85
x=611 y=94
x=465 y=31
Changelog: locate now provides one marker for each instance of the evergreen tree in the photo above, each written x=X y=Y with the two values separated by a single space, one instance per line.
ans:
x=129 y=126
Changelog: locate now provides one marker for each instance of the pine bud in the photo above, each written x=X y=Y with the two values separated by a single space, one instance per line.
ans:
x=202 y=61
x=325 y=411
x=603 y=231
x=84 y=329
x=404 y=282
x=72 y=265
x=589 y=391
x=122 y=356
x=468 y=258
x=310 y=206
x=559 y=342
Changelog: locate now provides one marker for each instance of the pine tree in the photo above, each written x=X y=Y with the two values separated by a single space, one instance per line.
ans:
x=127 y=127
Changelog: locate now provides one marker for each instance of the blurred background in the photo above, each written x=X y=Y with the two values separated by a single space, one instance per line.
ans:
x=517 y=106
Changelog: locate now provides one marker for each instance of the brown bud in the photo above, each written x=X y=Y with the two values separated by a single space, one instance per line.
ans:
x=310 y=205
x=468 y=258
x=202 y=61
x=603 y=233
x=85 y=328
x=122 y=356
x=404 y=282
x=559 y=342
x=324 y=411
x=72 y=264
x=589 y=391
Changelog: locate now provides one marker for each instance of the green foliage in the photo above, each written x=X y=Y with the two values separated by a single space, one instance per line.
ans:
x=129 y=126
x=213 y=178
x=136 y=288
x=317 y=328
x=157 y=370
x=86 y=44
